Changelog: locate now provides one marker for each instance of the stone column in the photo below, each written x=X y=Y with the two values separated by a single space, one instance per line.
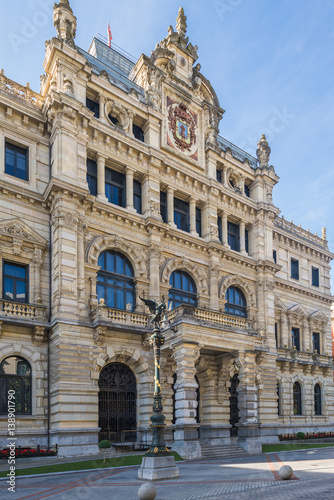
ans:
x=101 y=178
x=192 y=213
x=186 y=428
x=170 y=206
x=224 y=230
x=101 y=108
x=224 y=182
x=129 y=189
x=242 y=229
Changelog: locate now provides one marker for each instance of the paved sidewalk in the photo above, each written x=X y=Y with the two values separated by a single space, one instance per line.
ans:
x=244 y=478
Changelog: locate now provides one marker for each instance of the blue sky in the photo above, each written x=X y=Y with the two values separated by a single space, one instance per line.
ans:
x=270 y=62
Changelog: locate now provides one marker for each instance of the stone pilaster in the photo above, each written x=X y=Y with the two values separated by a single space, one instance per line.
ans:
x=186 y=428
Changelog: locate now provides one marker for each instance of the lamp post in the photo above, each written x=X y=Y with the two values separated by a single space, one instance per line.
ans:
x=158 y=463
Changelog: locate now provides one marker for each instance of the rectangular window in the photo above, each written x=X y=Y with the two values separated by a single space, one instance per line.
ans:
x=16 y=161
x=275 y=256
x=247 y=191
x=219 y=175
x=296 y=338
x=199 y=221
x=276 y=334
x=93 y=106
x=92 y=176
x=181 y=214
x=137 y=196
x=138 y=132
x=246 y=240
x=316 y=342
x=115 y=187
x=219 y=224
x=294 y=269
x=315 y=276
x=233 y=236
x=15 y=282
x=163 y=205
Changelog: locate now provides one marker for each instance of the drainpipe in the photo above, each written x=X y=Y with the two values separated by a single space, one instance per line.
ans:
x=50 y=304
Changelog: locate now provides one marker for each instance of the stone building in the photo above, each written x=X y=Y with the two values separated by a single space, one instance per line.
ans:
x=115 y=185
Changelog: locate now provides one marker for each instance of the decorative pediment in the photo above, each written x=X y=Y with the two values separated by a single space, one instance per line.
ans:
x=15 y=232
x=298 y=310
x=279 y=305
x=319 y=316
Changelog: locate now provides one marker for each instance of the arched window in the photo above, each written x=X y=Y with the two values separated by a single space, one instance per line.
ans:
x=183 y=289
x=115 y=281
x=297 y=399
x=15 y=375
x=236 y=303
x=317 y=399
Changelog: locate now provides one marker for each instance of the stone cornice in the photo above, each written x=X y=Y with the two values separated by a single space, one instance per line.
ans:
x=280 y=283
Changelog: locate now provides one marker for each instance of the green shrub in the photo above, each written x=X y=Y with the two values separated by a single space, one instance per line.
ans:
x=300 y=435
x=104 y=445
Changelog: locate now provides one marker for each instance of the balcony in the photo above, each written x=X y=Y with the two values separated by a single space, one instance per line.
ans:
x=308 y=361
x=107 y=316
x=208 y=316
x=22 y=313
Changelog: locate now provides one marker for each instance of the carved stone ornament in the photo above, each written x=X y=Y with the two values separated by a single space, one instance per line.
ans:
x=182 y=128
x=64 y=21
x=99 y=335
x=263 y=152
x=39 y=336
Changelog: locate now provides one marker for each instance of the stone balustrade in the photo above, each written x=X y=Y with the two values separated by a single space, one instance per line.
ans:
x=108 y=314
x=298 y=230
x=304 y=357
x=20 y=91
x=20 y=310
x=209 y=316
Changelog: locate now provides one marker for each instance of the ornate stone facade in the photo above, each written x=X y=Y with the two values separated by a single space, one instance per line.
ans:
x=174 y=199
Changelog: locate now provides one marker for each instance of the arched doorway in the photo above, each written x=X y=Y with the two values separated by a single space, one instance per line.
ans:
x=117 y=401
x=234 y=407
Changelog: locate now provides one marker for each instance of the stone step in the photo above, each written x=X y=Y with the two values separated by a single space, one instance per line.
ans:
x=221 y=451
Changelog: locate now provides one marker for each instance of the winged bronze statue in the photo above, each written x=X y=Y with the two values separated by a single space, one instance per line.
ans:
x=157 y=310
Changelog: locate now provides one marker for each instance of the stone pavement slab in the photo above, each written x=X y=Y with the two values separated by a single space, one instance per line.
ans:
x=243 y=478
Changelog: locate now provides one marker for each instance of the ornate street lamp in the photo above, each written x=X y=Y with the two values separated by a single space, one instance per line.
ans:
x=158 y=463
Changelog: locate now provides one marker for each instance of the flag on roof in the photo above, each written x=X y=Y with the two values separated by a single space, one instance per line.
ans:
x=109 y=35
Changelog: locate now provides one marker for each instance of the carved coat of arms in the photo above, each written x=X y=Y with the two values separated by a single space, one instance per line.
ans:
x=182 y=128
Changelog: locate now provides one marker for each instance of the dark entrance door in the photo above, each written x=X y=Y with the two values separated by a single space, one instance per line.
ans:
x=234 y=408
x=117 y=402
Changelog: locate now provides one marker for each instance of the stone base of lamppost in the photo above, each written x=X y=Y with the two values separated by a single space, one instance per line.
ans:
x=158 y=468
